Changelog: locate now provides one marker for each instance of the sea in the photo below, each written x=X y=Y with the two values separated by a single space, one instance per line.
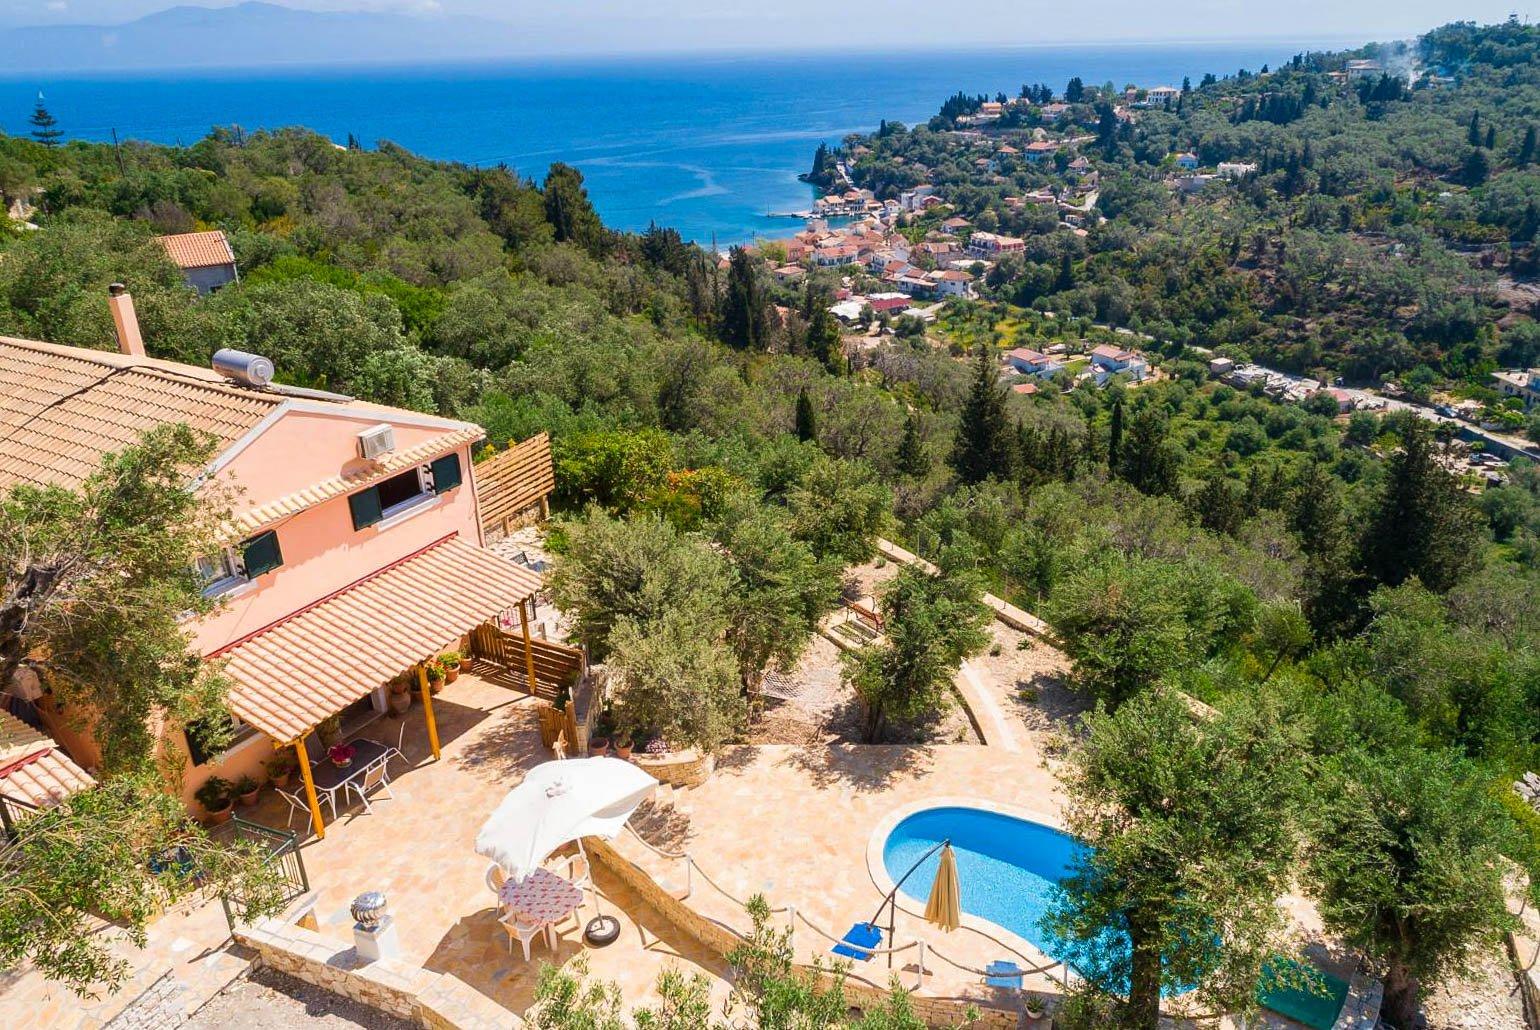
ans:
x=710 y=145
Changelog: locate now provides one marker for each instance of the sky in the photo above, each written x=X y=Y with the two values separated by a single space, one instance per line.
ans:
x=683 y=25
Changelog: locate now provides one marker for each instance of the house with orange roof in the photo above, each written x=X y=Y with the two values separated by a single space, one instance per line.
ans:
x=353 y=555
x=205 y=258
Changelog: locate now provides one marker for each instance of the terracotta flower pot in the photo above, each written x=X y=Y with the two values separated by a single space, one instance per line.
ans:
x=285 y=781
x=465 y=664
x=248 y=800
x=598 y=747
x=623 y=750
x=451 y=674
x=222 y=815
x=399 y=703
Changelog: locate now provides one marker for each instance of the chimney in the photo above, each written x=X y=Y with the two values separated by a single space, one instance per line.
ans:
x=127 y=323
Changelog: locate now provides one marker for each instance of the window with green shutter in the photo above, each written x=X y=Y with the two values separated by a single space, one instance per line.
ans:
x=446 y=473
x=366 y=509
x=261 y=554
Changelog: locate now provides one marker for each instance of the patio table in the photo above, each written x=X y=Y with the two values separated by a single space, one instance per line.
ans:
x=331 y=780
x=542 y=897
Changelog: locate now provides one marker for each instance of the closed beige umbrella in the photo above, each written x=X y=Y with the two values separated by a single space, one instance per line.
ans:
x=945 y=905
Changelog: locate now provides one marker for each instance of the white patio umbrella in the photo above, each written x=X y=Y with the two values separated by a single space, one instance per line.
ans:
x=558 y=802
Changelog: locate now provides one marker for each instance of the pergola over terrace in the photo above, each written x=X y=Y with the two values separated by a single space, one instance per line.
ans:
x=288 y=677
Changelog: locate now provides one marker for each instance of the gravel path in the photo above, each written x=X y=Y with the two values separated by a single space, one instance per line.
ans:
x=268 y=1000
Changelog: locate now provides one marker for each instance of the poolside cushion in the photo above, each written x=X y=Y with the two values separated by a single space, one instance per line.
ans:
x=1001 y=973
x=858 y=940
x=1299 y=1002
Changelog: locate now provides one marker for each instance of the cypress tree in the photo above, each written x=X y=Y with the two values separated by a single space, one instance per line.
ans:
x=1115 y=436
x=911 y=458
x=45 y=127
x=1491 y=137
x=1473 y=133
x=984 y=438
x=744 y=324
x=807 y=425
x=1148 y=461
x=1422 y=524
x=1527 y=148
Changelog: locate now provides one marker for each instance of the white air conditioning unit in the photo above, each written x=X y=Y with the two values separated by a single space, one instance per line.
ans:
x=375 y=441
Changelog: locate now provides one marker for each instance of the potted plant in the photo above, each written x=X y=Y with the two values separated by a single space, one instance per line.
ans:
x=1034 y=1007
x=341 y=755
x=465 y=663
x=623 y=745
x=598 y=746
x=247 y=788
x=281 y=767
x=329 y=729
x=449 y=661
x=435 y=677
x=217 y=797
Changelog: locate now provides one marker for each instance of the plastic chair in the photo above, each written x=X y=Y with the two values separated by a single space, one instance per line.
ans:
x=377 y=776
x=496 y=878
x=523 y=932
x=399 y=751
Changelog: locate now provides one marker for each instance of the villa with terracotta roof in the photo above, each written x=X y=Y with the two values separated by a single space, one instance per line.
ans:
x=205 y=258
x=354 y=552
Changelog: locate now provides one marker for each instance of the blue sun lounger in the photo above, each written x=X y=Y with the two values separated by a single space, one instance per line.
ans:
x=858 y=941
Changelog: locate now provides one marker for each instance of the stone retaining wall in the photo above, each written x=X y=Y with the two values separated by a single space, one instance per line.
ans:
x=723 y=940
x=438 y=1001
x=687 y=768
x=1524 y=951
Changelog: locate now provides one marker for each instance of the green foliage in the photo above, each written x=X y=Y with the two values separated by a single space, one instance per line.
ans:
x=1422 y=523
x=984 y=445
x=71 y=562
x=1151 y=788
x=932 y=623
x=1408 y=866
x=616 y=468
x=839 y=508
x=121 y=851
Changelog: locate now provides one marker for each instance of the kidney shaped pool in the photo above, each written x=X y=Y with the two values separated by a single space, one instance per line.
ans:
x=1008 y=867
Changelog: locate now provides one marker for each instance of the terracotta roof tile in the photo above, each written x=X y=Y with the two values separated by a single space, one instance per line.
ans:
x=288 y=677
x=198 y=249
x=34 y=768
x=63 y=408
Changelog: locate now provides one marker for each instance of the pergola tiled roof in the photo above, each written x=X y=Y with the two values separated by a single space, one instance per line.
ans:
x=198 y=249
x=34 y=768
x=291 y=675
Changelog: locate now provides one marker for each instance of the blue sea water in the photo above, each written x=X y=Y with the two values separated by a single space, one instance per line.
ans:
x=709 y=145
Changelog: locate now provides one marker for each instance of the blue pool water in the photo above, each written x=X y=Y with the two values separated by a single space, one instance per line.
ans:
x=1008 y=868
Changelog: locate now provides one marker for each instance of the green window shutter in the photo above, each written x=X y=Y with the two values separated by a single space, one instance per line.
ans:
x=365 y=506
x=261 y=554
x=446 y=473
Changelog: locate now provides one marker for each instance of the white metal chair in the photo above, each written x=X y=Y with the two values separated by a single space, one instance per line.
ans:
x=377 y=776
x=399 y=751
x=296 y=805
x=524 y=932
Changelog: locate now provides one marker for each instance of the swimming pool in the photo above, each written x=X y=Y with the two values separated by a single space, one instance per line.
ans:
x=1008 y=867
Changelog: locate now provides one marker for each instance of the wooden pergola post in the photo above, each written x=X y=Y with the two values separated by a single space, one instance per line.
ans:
x=310 y=795
x=427 y=707
x=529 y=653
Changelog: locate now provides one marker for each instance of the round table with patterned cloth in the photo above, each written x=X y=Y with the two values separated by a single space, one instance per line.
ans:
x=541 y=897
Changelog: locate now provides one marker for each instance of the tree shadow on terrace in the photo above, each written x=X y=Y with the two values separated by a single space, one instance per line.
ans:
x=865 y=768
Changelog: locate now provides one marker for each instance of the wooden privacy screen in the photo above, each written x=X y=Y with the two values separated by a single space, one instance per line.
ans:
x=555 y=664
x=513 y=481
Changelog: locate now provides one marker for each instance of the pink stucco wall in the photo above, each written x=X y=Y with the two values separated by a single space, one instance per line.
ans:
x=322 y=552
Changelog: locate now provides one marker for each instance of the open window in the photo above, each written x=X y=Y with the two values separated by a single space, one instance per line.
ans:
x=404 y=491
x=231 y=567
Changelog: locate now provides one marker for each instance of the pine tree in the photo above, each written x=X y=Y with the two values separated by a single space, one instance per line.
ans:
x=45 y=127
x=984 y=437
x=807 y=425
x=911 y=457
x=823 y=333
x=1115 y=436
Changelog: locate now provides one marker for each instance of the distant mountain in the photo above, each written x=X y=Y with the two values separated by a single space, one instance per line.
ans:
x=252 y=34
